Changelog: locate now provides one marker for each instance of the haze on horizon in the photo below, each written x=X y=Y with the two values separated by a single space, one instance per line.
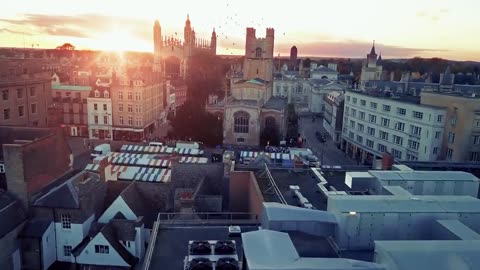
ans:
x=346 y=28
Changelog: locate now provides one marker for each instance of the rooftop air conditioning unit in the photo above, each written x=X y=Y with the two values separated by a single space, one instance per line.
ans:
x=227 y=263
x=200 y=248
x=200 y=264
x=225 y=247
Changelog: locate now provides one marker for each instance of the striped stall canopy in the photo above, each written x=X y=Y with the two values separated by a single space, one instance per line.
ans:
x=280 y=156
x=92 y=167
x=161 y=163
x=201 y=160
x=146 y=175
x=187 y=151
x=146 y=149
x=133 y=155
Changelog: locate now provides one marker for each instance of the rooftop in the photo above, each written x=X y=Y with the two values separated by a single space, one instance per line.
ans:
x=276 y=103
x=66 y=87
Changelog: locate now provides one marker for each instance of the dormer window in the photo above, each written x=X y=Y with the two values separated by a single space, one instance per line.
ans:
x=106 y=94
x=97 y=93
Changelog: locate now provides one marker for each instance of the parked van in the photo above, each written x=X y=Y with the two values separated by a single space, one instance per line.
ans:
x=301 y=152
x=187 y=145
x=159 y=144
x=101 y=150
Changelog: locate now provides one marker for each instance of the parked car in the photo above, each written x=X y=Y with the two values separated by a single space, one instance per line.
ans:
x=312 y=161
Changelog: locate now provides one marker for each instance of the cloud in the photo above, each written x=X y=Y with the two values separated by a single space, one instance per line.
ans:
x=432 y=15
x=352 y=49
x=9 y=31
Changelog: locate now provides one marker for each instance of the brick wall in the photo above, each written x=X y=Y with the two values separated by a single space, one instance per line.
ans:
x=245 y=195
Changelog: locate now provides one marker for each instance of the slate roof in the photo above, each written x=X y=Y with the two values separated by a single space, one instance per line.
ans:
x=256 y=81
x=11 y=213
x=125 y=229
x=276 y=103
x=109 y=233
x=323 y=69
x=319 y=81
x=64 y=196
x=35 y=228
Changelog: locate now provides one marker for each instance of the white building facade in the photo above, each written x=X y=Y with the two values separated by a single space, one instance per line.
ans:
x=99 y=106
x=374 y=125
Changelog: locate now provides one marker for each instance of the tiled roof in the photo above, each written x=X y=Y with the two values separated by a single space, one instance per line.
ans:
x=35 y=228
x=66 y=87
x=109 y=234
x=125 y=229
x=63 y=196
x=276 y=103
x=11 y=213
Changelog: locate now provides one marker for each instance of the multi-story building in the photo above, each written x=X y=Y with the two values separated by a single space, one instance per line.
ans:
x=333 y=115
x=24 y=94
x=375 y=123
x=72 y=99
x=137 y=103
x=99 y=107
x=461 y=137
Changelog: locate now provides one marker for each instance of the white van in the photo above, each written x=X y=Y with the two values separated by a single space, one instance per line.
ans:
x=159 y=144
x=187 y=145
x=101 y=150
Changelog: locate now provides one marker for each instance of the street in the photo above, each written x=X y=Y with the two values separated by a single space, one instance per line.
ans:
x=331 y=154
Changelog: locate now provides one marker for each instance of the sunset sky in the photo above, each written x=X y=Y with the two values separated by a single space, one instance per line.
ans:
x=344 y=28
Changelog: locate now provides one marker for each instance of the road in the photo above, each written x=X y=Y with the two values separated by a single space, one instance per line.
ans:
x=331 y=154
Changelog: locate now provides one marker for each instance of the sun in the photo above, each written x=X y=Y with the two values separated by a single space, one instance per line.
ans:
x=117 y=40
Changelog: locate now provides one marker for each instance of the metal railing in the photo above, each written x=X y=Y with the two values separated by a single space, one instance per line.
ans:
x=274 y=186
x=165 y=218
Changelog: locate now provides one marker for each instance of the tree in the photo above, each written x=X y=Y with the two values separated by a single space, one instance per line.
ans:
x=66 y=47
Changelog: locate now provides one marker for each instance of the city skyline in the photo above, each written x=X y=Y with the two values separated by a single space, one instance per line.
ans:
x=426 y=29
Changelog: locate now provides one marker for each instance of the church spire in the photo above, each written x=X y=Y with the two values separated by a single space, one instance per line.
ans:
x=372 y=51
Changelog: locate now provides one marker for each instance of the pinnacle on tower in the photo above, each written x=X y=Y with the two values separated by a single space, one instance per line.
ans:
x=372 y=51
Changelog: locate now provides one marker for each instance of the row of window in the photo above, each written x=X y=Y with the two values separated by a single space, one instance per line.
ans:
x=95 y=107
x=138 y=96
x=388 y=108
x=99 y=249
x=138 y=121
x=105 y=119
x=20 y=94
x=21 y=111
x=385 y=122
x=138 y=108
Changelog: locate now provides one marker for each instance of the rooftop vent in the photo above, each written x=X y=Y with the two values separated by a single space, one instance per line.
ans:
x=200 y=248
x=200 y=264
x=225 y=247
x=227 y=263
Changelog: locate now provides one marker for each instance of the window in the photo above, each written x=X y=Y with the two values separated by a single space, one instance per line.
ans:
x=105 y=120
x=418 y=115
x=359 y=139
x=415 y=130
x=383 y=135
x=354 y=113
x=106 y=94
x=258 y=52
x=120 y=95
x=21 y=111
x=130 y=120
x=373 y=105
x=382 y=148
x=67 y=251
x=451 y=137
x=101 y=249
x=372 y=118
x=138 y=109
x=454 y=121
x=350 y=134
x=138 y=96
x=397 y=140
x=396 y=153
x=476 y=139
x=120 y=119
x=477 y=123
x=385 y=122
x=435 y=150
x=130 y=95
x=95 y=106
x=354 y=100
x=386 y=108
x=360 y=127
x=120 y=107
x=347 y=110
x=413 y=144
x=371 y=131
x=138 y=122
x=32 y=91
x=449 y=153
x=97 y=93
x=401 y=111
x=352 y=123
x=440 y=118
x=370 y=143
x=400 y=126
x=361 y=115
x=5 y=94
x=241 y=122
x=474 y=156
x=6 y=114
x=66 y=221
x=126 y=243
x=411 y=157
x=19 y=93
x=95 y=119
x=348 y=98
x=130 y=108
x=33 y=108
x=2 y=168
x=240 y=139
x=438 y=134
x=363 y=102
x=104 y=107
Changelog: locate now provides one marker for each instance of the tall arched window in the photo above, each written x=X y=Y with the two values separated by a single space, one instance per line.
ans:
x=258 y=52
x=241 y=120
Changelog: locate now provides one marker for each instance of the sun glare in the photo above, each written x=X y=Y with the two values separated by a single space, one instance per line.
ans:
x=117 y=40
